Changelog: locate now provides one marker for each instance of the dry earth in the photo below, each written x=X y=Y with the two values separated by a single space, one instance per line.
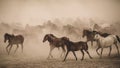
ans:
x=39 y=62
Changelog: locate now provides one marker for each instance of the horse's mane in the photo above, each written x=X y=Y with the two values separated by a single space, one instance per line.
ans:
x=12 y=35
x=52 y=35
x=69 y=42
x=89 y=32
x=102 y=34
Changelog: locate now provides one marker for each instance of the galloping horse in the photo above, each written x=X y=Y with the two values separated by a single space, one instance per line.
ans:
x=54 y=43
x=105 y=42
x=19 y=39
x=75 y=46
x=90 y=35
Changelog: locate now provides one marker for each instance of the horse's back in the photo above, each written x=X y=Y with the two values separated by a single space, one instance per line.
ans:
x=18 y=39
x=107 y=41
x=82 y=45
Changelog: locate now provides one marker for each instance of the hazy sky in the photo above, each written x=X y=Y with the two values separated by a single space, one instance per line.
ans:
x=36 y=11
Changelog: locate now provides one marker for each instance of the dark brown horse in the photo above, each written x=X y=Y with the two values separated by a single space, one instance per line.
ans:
x=54 y=43
x=90 y=35
x=19 y=39
x=75 y=46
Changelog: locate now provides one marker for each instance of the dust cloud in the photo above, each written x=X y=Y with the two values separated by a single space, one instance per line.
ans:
x=33 y=45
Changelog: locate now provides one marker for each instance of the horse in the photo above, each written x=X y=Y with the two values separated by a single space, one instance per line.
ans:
x=12 y=39
x=90 y=35
x=75 y=46
x=105 y=42
x=54 y=42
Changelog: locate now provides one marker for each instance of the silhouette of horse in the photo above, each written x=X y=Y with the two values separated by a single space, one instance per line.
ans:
x=90 y=35
x=18 y=39
x=54 y=42
x=75 y=46
x=105 y=42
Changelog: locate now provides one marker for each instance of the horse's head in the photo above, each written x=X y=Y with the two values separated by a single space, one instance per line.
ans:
x=97 y=37
x=6 y=37
x=46 y=37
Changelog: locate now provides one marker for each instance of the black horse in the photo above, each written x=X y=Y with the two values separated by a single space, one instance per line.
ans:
x=75 y=46
x=90 y=35
x=12 y=39
x=54 y=43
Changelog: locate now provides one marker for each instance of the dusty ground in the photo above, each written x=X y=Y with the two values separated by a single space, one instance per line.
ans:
x=35 y=57
x=38 y=62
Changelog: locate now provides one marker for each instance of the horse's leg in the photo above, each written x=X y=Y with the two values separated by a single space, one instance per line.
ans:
x=110 y=51
x=16 y=48
x=74 y=55
x=10 y=49
x=7 y=48
x=91 y=43
x=97 y=50
x=50 y=53
x=117 y=48
x=66 y=55
x=22 y=47
x=82 y=54
x=88 y=54
x=60 y=52
x=63 y=51
x=101 y=52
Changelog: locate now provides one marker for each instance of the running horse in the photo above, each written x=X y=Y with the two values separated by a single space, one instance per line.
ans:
x=54 y=42
x=106 y=42
x=12 y=39
x=91 y=34
x=75 y=46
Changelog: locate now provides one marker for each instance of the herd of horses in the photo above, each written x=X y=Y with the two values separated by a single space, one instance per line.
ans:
x=104 y=40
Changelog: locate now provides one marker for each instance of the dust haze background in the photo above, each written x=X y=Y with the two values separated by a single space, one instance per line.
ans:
x=35 y=18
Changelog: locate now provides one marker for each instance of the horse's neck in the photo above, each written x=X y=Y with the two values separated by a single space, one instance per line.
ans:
x=52 y=39
x=69 y=44
x=10 y=39
x=100 y=38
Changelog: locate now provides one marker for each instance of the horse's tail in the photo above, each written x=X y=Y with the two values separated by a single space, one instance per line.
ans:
x=118 y=38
